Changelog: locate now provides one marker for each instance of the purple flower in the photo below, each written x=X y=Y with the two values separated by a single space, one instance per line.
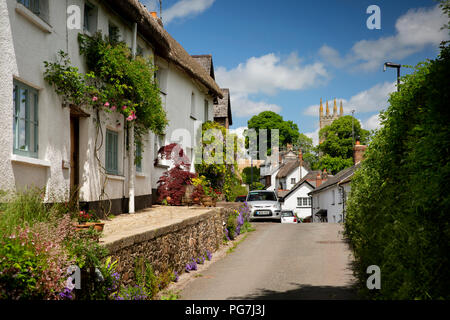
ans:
x=208 y=255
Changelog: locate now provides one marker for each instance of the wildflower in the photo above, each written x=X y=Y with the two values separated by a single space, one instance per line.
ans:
x=107 y=104
x=113 y=108
x=94 y=98
x=124 y=107
x=130 y=118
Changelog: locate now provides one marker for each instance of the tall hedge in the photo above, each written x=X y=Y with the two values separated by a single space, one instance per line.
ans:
x=399 y=207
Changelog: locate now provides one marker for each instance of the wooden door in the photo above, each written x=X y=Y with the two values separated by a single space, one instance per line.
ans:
x=74 y=157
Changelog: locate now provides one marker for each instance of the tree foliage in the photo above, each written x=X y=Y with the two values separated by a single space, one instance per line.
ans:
x=338 y=137
x=398 y=210
x=216 y=165
x=288 y=130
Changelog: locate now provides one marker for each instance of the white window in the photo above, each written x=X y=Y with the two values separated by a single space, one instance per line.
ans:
x=193 y=106
x=304 y=202
x=161 y=77
x=113 y=33
x=206 y=110
x=159 y=142
x=112 y=152
x=26 y=124
x=90 y=18
x=38 y=7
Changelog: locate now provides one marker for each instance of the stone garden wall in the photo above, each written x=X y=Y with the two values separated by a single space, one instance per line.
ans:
x=171 y=247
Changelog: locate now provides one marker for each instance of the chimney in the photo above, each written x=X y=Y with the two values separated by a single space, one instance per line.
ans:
x=318 y=180
x=155 y=16
x=358 y=152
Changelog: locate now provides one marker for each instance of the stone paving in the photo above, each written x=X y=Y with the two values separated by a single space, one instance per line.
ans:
x=126 y=225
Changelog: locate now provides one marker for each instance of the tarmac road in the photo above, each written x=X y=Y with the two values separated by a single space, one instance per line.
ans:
x=280 y=261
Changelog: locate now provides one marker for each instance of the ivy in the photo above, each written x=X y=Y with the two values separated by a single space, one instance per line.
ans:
x=116 y=82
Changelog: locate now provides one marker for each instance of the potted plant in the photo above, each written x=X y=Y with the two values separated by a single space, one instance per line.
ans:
x=88 y=219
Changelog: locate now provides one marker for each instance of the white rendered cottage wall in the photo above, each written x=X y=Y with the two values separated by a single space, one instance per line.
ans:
x=290 y=203
x=182 y=128
x=330 y=200
x=26 y=46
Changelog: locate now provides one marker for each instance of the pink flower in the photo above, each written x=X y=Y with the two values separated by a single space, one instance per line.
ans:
x=113 y=108
x=107 y=104
x=94 y=98
x=124 y=107
x=130 y=118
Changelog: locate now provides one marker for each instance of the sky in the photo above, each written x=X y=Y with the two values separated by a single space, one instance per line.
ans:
x=284 y=56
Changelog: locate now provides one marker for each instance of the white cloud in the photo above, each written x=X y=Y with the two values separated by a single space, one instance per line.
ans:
x=373 y=99
x=314 y=136
x=242 y=106
x=186 y=8
x=415 y=30
x=373 y=123
x=267 y=74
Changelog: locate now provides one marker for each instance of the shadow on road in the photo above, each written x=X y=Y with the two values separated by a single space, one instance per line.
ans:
x=305 y=292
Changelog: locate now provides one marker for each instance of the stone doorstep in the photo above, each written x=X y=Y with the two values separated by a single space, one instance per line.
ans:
x=116 y=243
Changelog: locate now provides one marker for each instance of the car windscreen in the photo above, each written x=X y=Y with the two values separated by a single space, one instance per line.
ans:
x=262 y=196
x=287 y=214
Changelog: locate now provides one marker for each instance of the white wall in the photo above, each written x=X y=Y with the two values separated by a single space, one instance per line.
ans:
x=324 y=200
x=182 y=128
x=290 y=203
x=26 y=47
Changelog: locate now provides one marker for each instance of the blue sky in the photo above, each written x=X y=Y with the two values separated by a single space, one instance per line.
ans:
x=286 y=55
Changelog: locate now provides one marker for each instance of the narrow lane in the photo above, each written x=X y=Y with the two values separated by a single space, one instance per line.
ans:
x=280 y=261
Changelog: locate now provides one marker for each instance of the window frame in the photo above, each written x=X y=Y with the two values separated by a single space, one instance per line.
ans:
x=206 y=110
x=112 y=164
x=301 y=202
x=32 y=5
x=193 y=116
x=138 y=154
x=31 y=124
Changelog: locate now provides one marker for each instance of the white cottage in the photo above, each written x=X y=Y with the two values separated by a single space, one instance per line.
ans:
x=297 y=198
x=329 y=198
x=46 y=144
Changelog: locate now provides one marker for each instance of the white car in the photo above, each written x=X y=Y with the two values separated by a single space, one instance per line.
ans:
x=263 y=204
x=288 y=217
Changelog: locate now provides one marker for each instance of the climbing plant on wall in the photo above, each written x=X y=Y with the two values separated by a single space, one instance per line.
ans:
x=116 y=82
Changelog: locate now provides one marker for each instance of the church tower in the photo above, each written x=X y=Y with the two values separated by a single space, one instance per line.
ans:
x=327 y=119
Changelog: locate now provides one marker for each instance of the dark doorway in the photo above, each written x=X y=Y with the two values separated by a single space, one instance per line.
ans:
x=74 y=158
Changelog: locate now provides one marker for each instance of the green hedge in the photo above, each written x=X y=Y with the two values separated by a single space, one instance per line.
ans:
x=399 y=207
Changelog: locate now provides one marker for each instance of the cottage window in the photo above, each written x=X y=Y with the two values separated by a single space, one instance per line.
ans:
x=161 y=77
x=193 y=106
x=113 y=33
x=38 y=7
x=33 y=5
x=292 y=180
x=206 y=110
x=112 y=146
x=90 y=18
x=304 y=202
x=333 y=195
x=138 y=157
x=26 y=124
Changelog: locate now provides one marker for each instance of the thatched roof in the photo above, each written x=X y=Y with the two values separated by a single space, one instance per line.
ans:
x=206 y=61
x=287 y=167
x=223 y=107
x=165 y=46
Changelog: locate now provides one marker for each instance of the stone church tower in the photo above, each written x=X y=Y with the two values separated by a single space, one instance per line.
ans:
x=327 y=119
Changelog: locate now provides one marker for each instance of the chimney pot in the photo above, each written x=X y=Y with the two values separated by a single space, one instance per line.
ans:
x=154 y=14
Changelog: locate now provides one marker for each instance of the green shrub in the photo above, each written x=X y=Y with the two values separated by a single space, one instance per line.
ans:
x=237 y=190
x=398 y=210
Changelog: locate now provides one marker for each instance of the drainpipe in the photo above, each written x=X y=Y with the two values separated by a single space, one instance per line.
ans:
x=131 y=166
x=343 y=202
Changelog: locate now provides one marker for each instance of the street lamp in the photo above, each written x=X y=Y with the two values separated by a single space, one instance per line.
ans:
x=394 y=65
